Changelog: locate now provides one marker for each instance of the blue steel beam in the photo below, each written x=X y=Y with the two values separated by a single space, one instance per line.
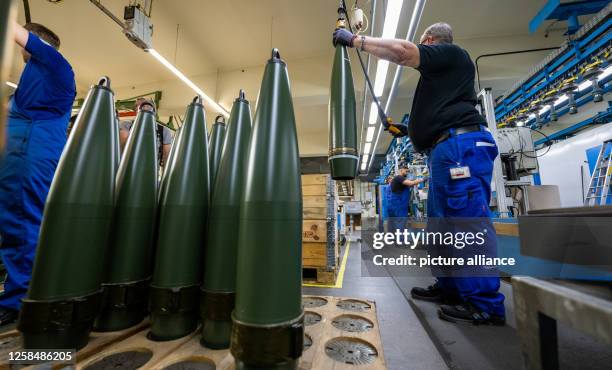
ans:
x=543 y=15
x=567 y=11
x=600 y=118
x=515 y=100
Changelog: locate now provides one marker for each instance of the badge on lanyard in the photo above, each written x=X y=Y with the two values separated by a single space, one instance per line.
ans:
x=457 y=173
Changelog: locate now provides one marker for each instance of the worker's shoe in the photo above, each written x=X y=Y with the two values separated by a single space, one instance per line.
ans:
x=432 y=293
x=7 y=316
x=467 y=313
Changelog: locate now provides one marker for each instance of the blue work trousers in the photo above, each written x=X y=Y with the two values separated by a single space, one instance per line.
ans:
x=466 y=197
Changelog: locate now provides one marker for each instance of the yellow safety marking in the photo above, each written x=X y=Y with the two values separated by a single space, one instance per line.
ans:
x=340 y=277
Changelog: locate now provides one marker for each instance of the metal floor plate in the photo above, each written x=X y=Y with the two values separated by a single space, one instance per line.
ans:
x=353 y=305
x=351 y=351
x=311 y=318
x=310 y=302
x=352 y=323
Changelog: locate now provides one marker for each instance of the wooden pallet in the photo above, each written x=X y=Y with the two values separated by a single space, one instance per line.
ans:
x=188 y=349
x=315 y=357
x=319 y=275
x=10 y=341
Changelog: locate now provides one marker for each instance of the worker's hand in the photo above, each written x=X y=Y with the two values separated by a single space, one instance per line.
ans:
x=343 y=37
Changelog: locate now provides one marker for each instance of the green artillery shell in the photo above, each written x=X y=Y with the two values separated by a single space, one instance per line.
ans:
x=343 y=156
x=268 y=313
x=217 y=138
x=64 y=293
x=181 y=235
x=128 y=263
x=219 y=286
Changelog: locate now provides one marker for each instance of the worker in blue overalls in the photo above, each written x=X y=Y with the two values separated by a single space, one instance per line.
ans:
x=445 y=124
x=36 y=134
x=398 y=202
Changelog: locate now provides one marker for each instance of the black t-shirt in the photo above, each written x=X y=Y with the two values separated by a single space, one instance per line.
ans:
x=445 y=96
x=397 y=185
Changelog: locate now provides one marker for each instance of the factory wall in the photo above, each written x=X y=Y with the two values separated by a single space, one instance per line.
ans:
x=566 y=164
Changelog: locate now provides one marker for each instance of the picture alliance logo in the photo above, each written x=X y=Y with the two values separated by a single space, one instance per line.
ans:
x=411 y=239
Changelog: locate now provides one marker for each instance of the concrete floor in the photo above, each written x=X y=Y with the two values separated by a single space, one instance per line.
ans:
x=415 y=338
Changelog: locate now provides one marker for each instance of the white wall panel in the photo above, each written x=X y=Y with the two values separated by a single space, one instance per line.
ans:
x=561 y=165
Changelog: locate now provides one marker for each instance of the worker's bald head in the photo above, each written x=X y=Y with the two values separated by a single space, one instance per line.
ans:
x=438 y=33
x=44 y=33
x=144 y=104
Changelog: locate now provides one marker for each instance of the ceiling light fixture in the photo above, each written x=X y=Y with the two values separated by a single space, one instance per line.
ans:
x=605 y=73
x=584 y=85
x=392 y=14
x=415 y=19
x=561 y=100
x=160 y=58
x=370 y=134
x=373 y=114
x=11 y=84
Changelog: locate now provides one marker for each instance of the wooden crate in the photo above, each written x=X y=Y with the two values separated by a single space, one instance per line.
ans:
x=319 y=189
x=319 y=275
x=314 y=254
x=317 y=201
x=315 y=213
x=315 y=179
x=314 y=231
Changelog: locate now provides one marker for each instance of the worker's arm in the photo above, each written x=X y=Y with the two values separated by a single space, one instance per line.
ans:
x=41 y=51
x=412 y=182
x=165 y=153
x=166 y=144
x=21 y=34
x=398 y=51
x=123 y=136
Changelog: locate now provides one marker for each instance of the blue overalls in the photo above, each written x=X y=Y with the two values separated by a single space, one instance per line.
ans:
x=397 y=208
x=36 y=135
x=398 y=203
x=468 y=197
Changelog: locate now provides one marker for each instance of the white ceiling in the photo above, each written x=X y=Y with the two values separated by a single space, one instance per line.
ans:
x=222 y=45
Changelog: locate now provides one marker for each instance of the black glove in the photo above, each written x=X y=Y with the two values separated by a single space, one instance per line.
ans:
x=343 y=37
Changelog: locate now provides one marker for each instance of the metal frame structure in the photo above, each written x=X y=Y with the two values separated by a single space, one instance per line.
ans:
x=592 y=42
x=488 y=111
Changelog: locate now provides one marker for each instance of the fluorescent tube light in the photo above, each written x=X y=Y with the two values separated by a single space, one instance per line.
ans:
x=364 y=162
x=561 y=100
x=373 y=114
x=392 y=15
x=11 y=84
x=584 y=85
x=381 y=77
x=605 y=73
x=188 y=82
x=370 y=133
x=366 y=148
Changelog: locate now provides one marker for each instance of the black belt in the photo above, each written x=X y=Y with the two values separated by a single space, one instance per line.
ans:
x=458 y=131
